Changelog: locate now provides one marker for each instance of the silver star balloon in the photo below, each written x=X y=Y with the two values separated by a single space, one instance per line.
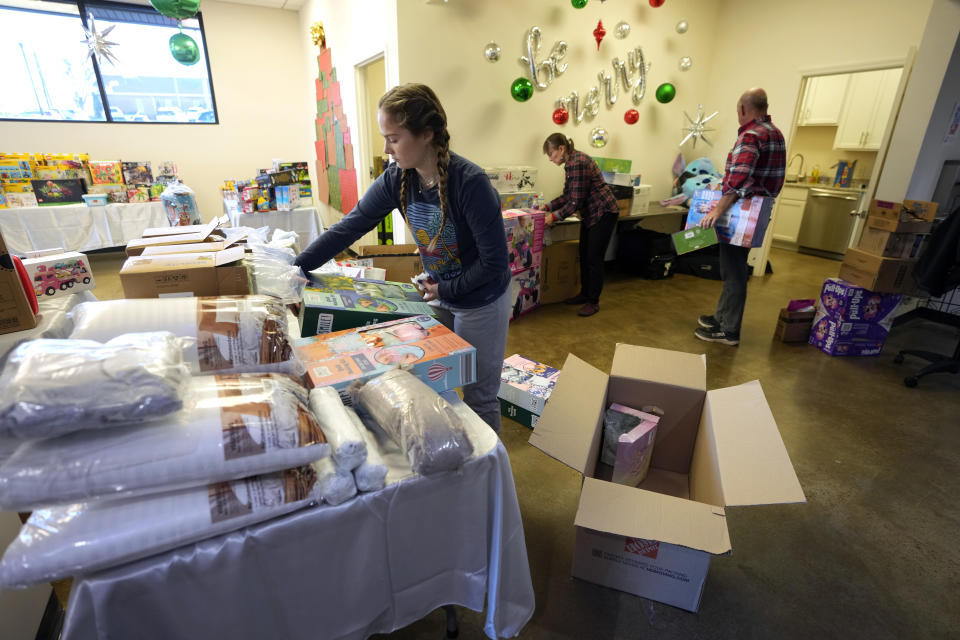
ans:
x=97 y=43
x=696 y=127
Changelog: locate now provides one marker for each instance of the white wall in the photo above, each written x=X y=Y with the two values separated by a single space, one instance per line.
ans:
x=257 y=65
x=356 y=31
x=442 y=45
x=924 y=109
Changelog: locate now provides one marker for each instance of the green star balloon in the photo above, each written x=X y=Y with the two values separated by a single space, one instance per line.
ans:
x=184 y=49
x=521 y=89
x=666 y=92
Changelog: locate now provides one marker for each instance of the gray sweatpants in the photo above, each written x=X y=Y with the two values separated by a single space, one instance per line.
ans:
x=486 y=329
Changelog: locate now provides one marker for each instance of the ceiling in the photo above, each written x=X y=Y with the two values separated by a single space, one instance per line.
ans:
x=292 y=5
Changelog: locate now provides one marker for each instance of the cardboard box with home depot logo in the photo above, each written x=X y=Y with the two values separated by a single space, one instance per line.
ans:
x=714 y=450
x=439 y=357
x=909 y=216
x=213 y=273
x=15 y=311
x=400 y=261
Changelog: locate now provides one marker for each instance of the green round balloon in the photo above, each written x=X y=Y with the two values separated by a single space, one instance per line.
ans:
x=184 y=49
x=578 y=4
x=177 y=9
x=521 y=89
x=666 y=92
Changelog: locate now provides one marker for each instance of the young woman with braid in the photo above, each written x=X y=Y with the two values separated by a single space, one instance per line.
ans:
x=454 y=213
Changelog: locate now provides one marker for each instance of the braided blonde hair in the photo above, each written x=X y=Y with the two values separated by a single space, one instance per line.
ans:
x=416 y=108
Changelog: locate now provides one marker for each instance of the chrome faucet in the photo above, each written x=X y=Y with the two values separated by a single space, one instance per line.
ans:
x=795 y=156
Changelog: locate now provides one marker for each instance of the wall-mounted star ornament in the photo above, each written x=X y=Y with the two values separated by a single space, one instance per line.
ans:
x=697 y=126
x=97 y=43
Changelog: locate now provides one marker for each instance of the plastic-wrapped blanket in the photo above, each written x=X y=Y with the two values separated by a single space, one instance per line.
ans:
x=274 y=273
x=347 y=447
x=371 y=475
x=334 y=485
x=241 y=334
x=425 y=426
x=53 y=387
x=59 y=542
x=234 y=427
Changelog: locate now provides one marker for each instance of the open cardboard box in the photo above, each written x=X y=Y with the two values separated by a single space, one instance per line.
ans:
x=199 y=233
x=714 y=449
x=215 y=273
x=153 y=232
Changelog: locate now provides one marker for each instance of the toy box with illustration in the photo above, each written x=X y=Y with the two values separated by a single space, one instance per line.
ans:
x=634 y=448
x=59 y=274
x=842 y=300
x=137 y=173
x=106 y=171
x=334 y=303
x=510 y=179
x=526 y=285
x=743 y=224
x=525 y=387
x=55 y=192
x=517 y=200
x=524 y=232
x=439 y=357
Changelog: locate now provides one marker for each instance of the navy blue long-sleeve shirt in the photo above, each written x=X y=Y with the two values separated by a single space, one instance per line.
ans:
x=470 y=259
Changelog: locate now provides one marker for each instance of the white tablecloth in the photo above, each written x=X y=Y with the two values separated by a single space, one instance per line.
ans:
x=78 y=227
x=305 y=221
x=371 y=565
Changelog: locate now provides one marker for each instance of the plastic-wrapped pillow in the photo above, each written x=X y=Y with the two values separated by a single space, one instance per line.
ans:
x=59 y=542
x=371 y=474
x=232 y=334
x=347 y=447
x=53 y=387
x=426 y=427
x=234 y=427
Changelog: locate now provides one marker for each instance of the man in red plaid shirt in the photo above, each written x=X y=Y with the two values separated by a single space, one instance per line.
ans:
x=755 y=166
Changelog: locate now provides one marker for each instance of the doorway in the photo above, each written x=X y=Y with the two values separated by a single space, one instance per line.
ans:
x=371 y=85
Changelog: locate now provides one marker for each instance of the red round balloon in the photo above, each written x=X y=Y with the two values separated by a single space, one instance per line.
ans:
x=631 y=116
x=656 y=3
x=561 y=115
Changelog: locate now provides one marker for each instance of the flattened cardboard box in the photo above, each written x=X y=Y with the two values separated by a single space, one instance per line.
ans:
x=200 y=233
x=191 y=274
x=714 y=449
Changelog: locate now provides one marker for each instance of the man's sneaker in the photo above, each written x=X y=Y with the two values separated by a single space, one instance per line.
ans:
x=708 y=322
x=717 y=335
x=588 y=309
x=577 y=299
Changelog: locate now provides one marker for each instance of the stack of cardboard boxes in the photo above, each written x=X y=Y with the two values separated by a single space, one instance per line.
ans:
x=894 y=234
x=194 y=260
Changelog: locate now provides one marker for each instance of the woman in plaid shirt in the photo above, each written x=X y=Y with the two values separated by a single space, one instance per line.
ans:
x=584 y=191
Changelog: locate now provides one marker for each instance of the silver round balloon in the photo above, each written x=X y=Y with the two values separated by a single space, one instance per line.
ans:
x=685 y=63
x=598 y=137
x=622 y=30
x=492 y=51
x=682 y=26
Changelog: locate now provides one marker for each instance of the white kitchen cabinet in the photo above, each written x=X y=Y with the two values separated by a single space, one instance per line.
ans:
x=823 y=99
x=866 y=110
x=788 y=214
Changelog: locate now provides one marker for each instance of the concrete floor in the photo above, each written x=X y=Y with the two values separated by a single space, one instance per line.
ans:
x=872 y=554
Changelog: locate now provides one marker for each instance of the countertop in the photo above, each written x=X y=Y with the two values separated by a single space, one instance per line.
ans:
x=859 y=187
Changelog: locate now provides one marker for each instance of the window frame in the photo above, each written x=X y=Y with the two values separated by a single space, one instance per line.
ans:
x=82 y=8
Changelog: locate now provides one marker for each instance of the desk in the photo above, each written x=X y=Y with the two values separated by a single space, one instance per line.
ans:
x=662 y=219
x=371 y=565
x=78 y=227
x=304 y=220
